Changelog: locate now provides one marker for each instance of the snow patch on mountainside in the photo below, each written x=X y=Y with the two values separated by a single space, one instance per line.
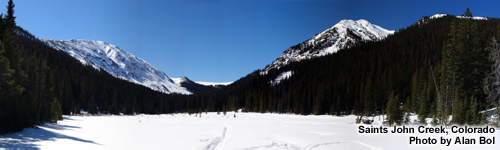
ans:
x=340 y=36
x=282 y=76
x=435 y=16
x=213 y=83
x=119 y=63
x=474 y=18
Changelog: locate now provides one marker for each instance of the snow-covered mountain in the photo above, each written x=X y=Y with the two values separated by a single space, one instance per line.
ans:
x=119 y=63
x=342 y=35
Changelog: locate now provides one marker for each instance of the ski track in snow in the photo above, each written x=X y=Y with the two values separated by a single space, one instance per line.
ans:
x=220 y=141
x=369 y=146
x=275 y=145
x=323 y=144
x=311 y=147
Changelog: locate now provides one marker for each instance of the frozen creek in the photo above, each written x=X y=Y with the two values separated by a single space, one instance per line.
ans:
x=212 y=131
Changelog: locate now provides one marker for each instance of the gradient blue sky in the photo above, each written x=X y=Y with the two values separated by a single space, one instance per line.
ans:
x=218 y=40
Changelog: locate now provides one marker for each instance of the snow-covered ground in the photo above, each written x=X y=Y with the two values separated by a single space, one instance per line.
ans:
x=212 y=131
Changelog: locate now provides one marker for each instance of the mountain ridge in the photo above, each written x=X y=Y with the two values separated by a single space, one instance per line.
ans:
x=117 y=62
x=342 y=35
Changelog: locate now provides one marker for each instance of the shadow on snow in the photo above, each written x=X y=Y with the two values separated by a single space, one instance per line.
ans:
x=59 y=127
x=26 y=138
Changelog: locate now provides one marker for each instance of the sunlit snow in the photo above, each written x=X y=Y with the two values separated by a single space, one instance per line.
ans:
x=212 y=131
x=281 y=76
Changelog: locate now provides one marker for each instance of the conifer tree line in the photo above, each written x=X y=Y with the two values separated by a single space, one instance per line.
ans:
x=27 y=94
x=435 y=68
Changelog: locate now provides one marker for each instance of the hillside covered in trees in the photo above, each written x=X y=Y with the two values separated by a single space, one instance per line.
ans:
x=38 y=84
x=434 y=67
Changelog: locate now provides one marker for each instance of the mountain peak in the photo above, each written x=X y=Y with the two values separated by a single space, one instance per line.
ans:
x=117 y=62
x=181 y=80
x=340 y=36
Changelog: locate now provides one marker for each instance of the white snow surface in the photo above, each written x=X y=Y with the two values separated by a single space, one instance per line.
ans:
x=119 y=63
x=331 y=41
x=212 y=83
x=281 y=76
x=212 y=131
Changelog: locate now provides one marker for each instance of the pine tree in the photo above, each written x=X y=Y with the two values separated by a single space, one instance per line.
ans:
x=484 y=117
x=11 y=75
x=5 y=73
x=459 y=115
x=262 y=104
x=319 y=101
x=472 y=61
x=449 y=68
x=332 y=109
x=393 y=109
x=224 y=110
x=42 y=89
x=425 y=104
x=92 y=106
x=472 y=112
x=407 y=118
x=434 y=121
x=463 y=68
x=492 y=81
x=114 y=103
x=497 y=115
x=54 y=110
x=136 y=107
x=6 y=82
x=11 y=22
x=12 y=51
x=369 y=102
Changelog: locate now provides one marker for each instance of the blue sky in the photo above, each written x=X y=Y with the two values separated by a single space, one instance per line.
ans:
x=218 y=40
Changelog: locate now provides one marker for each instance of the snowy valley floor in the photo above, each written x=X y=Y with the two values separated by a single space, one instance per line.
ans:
x=212 y=131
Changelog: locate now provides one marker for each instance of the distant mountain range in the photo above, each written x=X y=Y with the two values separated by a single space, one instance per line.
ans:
x=121 y=64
